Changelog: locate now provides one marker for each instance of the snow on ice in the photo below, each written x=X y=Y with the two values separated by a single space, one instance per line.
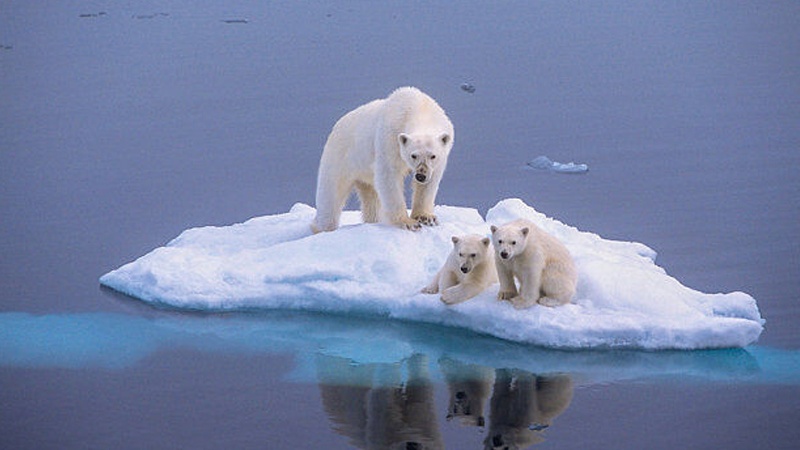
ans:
x=624 y=299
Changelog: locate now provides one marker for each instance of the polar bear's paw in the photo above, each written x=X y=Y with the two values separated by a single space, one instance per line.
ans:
x=506 y=295
x=429 y=220
x=522 y=303
x=551 y=302
x=409 y=224
x=432 y=289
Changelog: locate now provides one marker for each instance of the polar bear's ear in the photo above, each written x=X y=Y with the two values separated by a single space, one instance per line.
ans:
x=493 y=228
x=454 y=239
x=525 y=231
x=485 y=241
x=444 y=138
x=402 y=138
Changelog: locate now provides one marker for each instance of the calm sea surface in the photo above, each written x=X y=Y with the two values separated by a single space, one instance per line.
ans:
x=124 y=123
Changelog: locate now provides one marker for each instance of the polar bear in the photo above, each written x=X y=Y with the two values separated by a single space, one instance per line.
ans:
x=373 y=148
x=541 y=263
x=468 y=270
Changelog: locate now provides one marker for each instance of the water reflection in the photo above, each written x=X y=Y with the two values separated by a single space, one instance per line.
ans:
x=378 y=378
x=392 y=406
x=522 y=404
x=385 y=406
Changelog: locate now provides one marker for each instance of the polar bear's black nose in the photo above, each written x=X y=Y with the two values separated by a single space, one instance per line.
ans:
x=504 y=254
x=464 y=269
x=420 y=177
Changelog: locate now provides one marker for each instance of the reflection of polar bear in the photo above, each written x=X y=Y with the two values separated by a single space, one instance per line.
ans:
x=468 y=270
x=541 y=263
x=469 y=386
x=373 y=148
x=373 y=406
x=523 y=404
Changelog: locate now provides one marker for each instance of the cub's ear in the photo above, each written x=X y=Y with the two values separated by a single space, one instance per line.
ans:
x=493 y=228
x=525 y=231
x=486 y=241
x=454 y=239
x=444 y=138
x=402 y=139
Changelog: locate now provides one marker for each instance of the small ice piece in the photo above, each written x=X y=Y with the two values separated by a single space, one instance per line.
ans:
x=467 y=87
x=545 y=163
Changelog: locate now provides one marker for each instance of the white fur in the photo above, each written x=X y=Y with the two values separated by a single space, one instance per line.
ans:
x=541 y=263
x=373 y=148
x=468 y=270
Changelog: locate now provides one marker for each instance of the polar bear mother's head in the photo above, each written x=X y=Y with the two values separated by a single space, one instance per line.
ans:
x=425 y=154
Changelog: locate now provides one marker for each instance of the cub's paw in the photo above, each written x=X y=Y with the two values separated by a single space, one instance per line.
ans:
x=428 y=220
x=451 y=297
x=430 y=289
x=550 y=301
x=506 y=295
x=522 y=303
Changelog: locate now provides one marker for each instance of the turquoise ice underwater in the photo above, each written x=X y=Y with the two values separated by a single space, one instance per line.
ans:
x=624 y=299
x=119 y=341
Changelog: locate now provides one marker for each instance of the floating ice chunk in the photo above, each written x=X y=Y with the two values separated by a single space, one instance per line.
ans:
x=624 y=299
x=545 y=163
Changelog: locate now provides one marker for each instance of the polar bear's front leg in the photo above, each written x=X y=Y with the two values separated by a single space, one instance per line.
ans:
x=529 y=290
x=393 y=202
x=433 y=286
x=508 y=289
x=460 y=293
x=422 y=202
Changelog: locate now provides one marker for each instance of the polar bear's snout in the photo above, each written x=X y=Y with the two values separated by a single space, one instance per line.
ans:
x=421 y=173
x=464 y=269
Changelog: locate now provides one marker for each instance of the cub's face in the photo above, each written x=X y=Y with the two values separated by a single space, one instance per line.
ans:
x=509 y=241
x=470 y=251
x=424 y=154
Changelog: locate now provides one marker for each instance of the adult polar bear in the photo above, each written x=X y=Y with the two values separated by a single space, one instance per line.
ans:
x=373 y=148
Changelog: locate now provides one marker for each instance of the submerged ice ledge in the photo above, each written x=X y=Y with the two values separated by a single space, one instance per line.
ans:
x=624 y=299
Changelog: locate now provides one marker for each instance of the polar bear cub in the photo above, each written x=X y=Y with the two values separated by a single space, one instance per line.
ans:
x=373 y=148
x=468 y=270
x=543 y=266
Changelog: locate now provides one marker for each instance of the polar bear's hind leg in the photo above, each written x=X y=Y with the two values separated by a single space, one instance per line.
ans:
x=370 y=203
x=331 y=198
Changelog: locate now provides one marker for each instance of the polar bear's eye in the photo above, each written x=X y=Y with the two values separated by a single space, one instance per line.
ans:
x=472 y=255
x=433 y=156
x=513 y=242
x=461 y=255
x=499 y=241
x=413 y=156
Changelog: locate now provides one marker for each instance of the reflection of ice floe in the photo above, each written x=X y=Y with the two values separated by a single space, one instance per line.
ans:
x=624 y=299
x=545 y=163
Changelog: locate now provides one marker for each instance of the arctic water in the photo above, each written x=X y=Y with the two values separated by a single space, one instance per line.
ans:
x=123 y=124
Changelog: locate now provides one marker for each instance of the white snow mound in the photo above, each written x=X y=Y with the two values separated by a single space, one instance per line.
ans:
x=624 y=299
